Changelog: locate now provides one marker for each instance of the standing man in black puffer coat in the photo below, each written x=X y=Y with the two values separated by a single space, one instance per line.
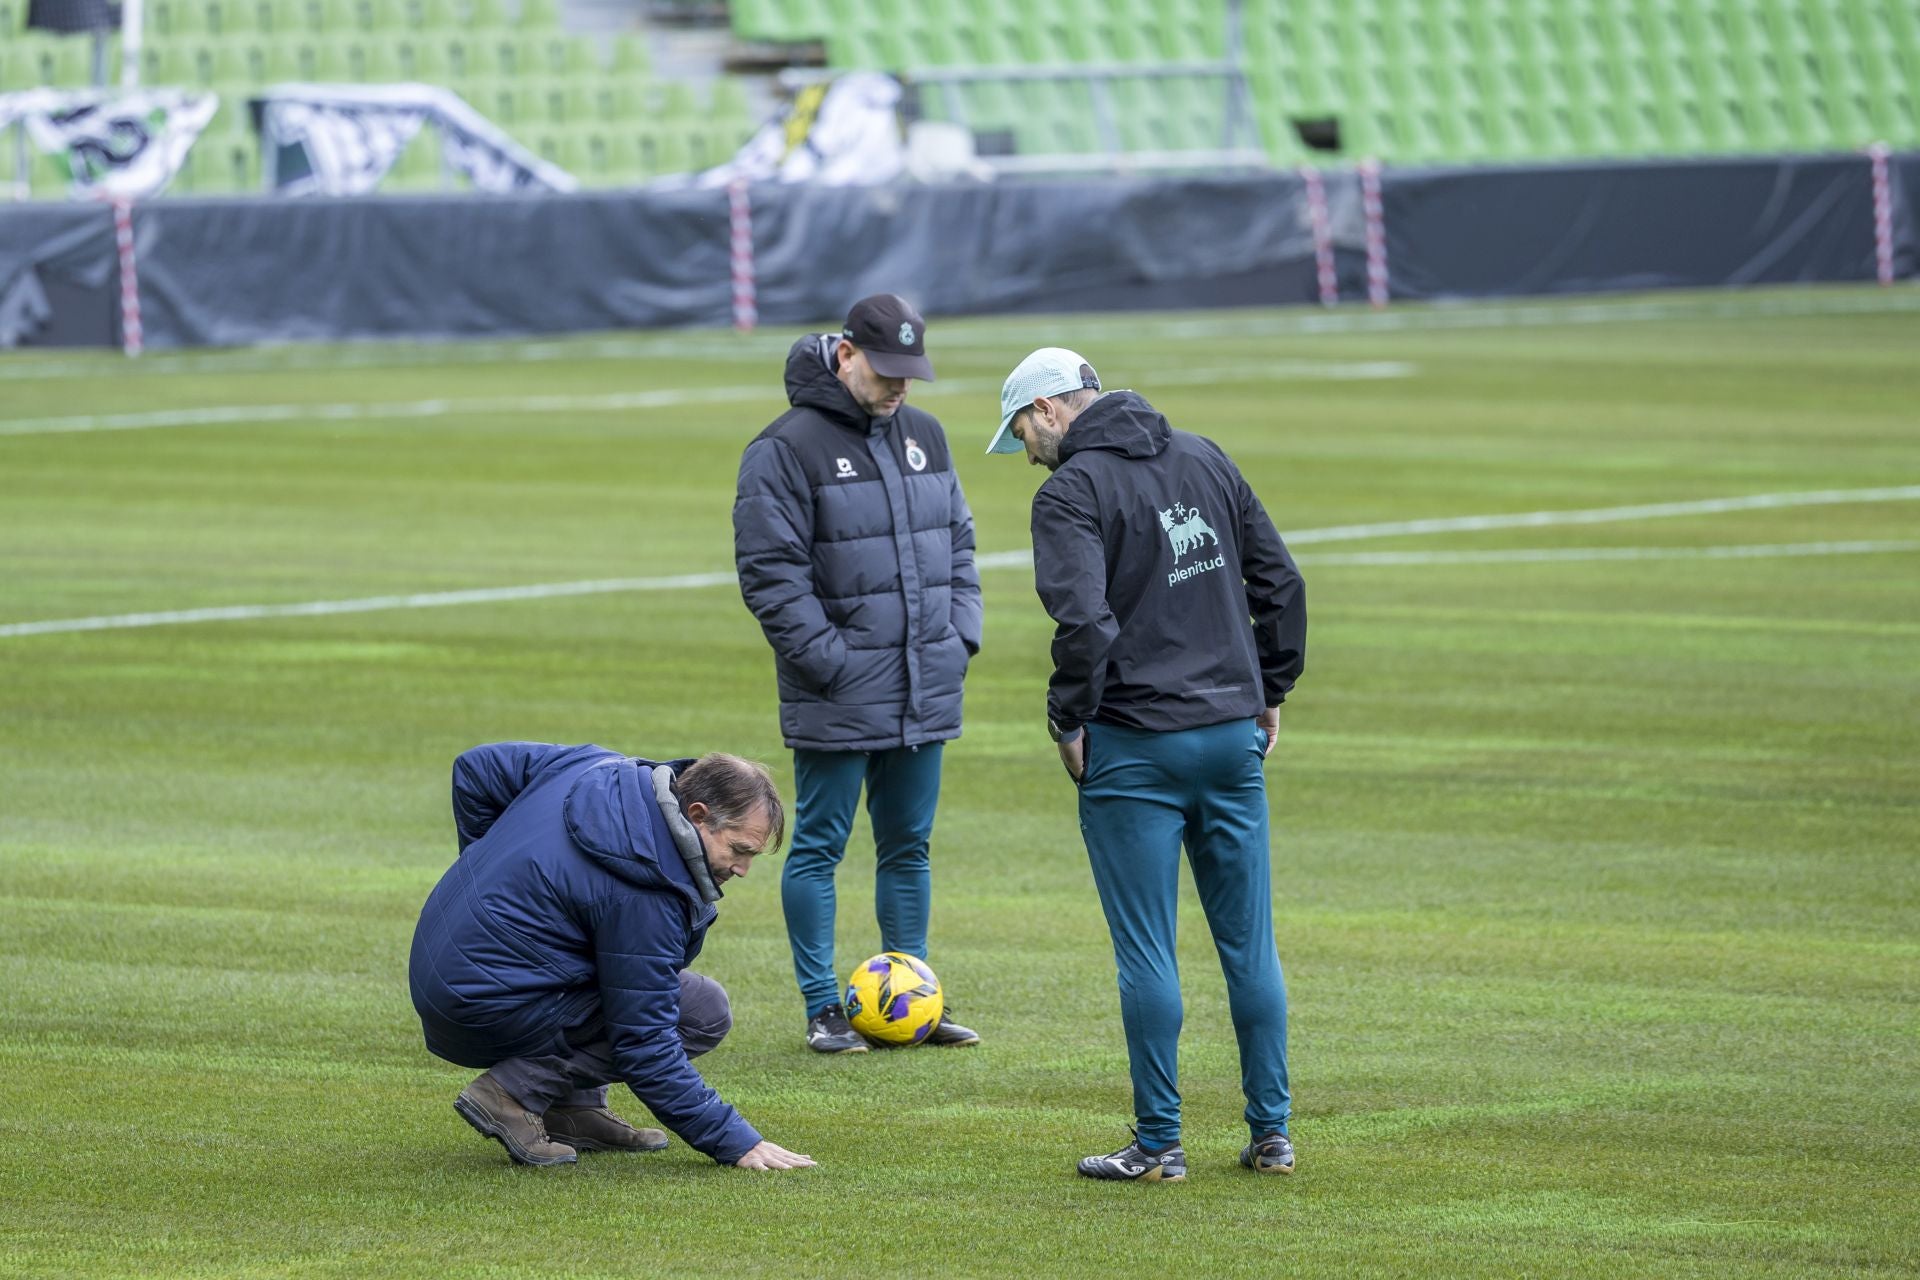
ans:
x=854 y=546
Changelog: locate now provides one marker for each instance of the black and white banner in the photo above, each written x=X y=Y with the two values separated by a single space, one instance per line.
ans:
x=124 y=144
x=842 y=132
x=341 y=140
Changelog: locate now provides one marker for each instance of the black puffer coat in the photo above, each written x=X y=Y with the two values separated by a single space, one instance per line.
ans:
x=854 y=546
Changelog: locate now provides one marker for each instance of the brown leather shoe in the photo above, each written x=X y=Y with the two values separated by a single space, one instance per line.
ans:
x=598 y=1129
x=495 y=1113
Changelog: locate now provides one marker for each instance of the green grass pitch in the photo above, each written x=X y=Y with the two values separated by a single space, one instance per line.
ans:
x=1595 y=866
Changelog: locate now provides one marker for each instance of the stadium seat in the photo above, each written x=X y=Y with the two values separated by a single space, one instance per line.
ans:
x=19 y=69
x=418 y=169
x=728 y=106
x=66 y=61
x=230 y=19
x=177 y=19
x=663 y=150
x=540 y=15
x=387 y=17
x=471 y=59
x=554 y=54
x=484 y=15
x=627 y=56
x=498 y=100
x=789 y=20
x=623 y=157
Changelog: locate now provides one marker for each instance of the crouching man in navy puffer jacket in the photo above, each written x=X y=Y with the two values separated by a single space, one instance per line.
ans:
x=554 y=952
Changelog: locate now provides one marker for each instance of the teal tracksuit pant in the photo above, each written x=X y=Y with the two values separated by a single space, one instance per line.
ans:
x=903 y=788
x=1143 y=795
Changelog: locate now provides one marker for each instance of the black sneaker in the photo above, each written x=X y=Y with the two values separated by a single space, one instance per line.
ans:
x=1134 y=1163
x=950 y=1033
x=1271 y=1154
x=828 y=1031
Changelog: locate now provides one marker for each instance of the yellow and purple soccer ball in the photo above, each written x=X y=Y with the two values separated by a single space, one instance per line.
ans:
x=894 y=999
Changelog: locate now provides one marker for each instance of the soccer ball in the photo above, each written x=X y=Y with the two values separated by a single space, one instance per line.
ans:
x=894 y=999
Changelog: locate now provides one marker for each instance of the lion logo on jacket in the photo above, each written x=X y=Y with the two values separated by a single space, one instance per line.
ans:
x=1185 y=529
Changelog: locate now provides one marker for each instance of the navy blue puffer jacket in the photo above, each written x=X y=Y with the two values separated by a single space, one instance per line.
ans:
x=568 y=892
x=854 y=546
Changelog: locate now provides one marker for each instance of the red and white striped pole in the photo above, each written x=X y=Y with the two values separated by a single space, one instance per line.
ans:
x=131 y=338
x=746 y=312
x=1882 y=212
x=1375 y=213
x=1322 y=235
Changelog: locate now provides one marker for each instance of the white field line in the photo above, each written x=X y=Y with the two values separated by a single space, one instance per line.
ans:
x=1761 y=551
x=661 y=398
x=770 y=344
x=369 y=604
x=1019 y=559
x=1605 y=515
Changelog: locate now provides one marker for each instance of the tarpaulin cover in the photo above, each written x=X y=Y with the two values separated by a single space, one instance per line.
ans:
x=57 y=274
x=223 y=272
x=1488 y=232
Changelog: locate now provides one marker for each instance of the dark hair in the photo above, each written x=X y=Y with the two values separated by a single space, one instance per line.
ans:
x=734 y=791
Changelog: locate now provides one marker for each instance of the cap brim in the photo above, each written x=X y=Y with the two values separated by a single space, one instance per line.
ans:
x=1003 y=439
x=896 y=364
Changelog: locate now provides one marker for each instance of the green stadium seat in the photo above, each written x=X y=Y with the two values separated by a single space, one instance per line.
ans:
x=728 y=107
x=628 y=56
x=226 y=19
x=497 y=100
x=418 y=170
x=66 y=61
x=177 y=19
x=471 y=59
x=19 y=65
x=540 y=15
x=422 y=59
x=48 y=176
x=709 y=145
x=676 y=104
x=615 y=99
x=431 y=16
x=1893 y=83
x=663 y=150
x=484 y=15
x=555 y=54
x=326 y=17
x=566 y=100
x=165 y=65
x=227 y=158
x=287 y=17
x=622 y=158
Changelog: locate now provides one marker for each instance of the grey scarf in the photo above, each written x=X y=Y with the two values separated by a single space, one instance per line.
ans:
x=692 y=852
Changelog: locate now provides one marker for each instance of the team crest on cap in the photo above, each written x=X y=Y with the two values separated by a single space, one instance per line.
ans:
x=906 y=334
x=916 y=456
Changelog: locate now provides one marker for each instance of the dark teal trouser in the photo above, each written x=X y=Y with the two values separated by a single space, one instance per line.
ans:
x=903 y=787
x=1143 y=796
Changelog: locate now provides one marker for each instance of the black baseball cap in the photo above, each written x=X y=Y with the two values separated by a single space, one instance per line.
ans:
x=892 y=334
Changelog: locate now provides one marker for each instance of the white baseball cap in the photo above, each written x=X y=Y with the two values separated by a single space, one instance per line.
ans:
x=1047 y=372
